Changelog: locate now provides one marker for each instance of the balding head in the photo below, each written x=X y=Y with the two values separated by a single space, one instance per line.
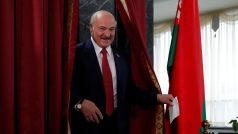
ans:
x=100 y=14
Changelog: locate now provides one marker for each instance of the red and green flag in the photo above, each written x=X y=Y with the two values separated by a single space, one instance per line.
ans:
x=185 y=70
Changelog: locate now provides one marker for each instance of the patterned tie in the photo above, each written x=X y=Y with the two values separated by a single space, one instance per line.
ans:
x=107 y=81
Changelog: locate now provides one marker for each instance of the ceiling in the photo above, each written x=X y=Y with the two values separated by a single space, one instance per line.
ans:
x=166 y=9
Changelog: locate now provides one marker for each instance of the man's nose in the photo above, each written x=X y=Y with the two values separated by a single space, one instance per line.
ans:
x=107 y=33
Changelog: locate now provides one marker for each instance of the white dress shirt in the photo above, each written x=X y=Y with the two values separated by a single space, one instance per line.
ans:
x=111 y=62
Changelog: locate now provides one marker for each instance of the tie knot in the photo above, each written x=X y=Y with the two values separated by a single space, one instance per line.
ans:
x=104 y=51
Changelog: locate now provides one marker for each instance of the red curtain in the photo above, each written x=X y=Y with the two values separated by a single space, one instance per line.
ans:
x=7 y=66
x=133 y=15
x=36 y=61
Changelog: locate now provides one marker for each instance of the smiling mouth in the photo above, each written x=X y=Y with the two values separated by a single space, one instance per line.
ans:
x=106 y=38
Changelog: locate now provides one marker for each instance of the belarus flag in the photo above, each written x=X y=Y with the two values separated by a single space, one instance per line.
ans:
x=185 y=70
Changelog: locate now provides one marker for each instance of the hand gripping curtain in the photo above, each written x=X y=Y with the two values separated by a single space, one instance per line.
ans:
x=132 y=13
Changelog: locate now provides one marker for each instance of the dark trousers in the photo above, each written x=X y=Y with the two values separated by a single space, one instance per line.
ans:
x=109 y=124
x=106 y=126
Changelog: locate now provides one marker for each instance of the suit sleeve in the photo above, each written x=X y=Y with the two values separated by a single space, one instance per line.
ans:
x=145 y=99
x=137 y=96
x=75 y=83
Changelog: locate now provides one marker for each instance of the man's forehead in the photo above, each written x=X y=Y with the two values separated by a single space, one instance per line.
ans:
x=105 y=23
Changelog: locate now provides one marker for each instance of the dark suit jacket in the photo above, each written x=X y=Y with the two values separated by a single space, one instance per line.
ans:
x=87 y=83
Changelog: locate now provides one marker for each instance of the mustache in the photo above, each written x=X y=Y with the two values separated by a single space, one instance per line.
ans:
x=106 y=38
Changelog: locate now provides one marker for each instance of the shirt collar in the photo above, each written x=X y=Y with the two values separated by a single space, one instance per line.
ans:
x=98 y=49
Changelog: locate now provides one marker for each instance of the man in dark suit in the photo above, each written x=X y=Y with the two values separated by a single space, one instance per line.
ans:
x=91 y=112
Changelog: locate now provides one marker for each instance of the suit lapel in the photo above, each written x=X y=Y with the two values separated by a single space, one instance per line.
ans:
x=91 y=59
x=117 y=65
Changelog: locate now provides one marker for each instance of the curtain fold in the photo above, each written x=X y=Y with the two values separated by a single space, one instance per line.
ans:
x=70 y=41
x=29 y=69
x=7 y=66
x=132 y=13
x=54 y=66
x=36 y=61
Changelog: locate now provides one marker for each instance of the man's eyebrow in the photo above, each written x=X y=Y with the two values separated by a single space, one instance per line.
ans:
x=113 y=27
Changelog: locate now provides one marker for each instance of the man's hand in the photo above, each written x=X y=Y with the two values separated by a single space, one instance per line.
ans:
x=91 y=111
x=165 y=99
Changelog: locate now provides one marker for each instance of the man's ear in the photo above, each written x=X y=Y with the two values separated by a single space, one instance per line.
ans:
x=90 y=28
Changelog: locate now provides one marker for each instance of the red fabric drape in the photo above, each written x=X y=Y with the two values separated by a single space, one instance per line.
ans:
x=7 y=67
x=70 y=38
x=29 y=84
x=35 y=65
x=143 y=121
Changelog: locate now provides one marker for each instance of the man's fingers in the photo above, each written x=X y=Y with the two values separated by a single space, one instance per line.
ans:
x=94 y=115
x=88 y=119
x=95 y=118
x=99 y=114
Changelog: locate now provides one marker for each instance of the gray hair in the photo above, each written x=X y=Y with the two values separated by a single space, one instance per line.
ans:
x=95 y=15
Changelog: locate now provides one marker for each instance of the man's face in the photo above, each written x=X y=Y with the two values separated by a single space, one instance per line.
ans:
x=103 y=30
